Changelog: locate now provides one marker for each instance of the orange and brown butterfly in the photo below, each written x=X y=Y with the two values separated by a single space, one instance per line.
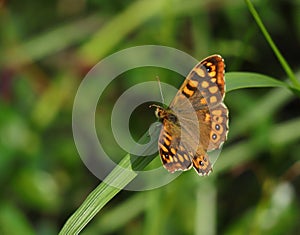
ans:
x=196 y=121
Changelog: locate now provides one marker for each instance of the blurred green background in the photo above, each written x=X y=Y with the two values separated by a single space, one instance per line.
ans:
x=46 y=49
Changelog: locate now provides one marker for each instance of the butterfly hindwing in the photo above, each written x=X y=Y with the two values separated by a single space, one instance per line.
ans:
x=216 y=69
x=219 y=126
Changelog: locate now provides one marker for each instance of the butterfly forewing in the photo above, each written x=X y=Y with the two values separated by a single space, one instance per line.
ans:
x=216 y=68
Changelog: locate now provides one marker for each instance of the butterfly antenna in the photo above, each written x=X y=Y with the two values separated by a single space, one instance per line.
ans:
x=160 y=89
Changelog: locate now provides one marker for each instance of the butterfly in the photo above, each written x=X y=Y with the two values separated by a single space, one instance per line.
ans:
x=196 y=121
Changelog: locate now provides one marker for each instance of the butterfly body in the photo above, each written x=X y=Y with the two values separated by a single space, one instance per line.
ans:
x=196 y=120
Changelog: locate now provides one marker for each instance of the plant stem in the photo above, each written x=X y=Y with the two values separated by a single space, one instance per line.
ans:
x=278 y=54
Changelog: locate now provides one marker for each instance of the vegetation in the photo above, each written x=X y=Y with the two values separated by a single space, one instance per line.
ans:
x=47 y=49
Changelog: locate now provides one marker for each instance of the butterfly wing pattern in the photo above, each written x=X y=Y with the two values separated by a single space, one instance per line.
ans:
x=196 y=120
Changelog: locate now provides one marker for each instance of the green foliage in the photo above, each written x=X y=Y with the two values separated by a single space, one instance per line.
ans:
x=46 y=49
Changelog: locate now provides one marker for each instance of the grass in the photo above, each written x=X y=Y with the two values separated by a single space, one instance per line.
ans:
x=255 y=184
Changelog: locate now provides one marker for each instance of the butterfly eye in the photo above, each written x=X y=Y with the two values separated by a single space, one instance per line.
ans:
x=157 y=113
x=173 y=118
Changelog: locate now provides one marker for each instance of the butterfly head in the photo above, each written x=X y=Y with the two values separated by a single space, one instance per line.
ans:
x=162 y=114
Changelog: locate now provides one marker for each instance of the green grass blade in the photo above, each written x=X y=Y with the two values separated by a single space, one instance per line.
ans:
x=278 y=54
x=97 y=199
x=238 y=80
